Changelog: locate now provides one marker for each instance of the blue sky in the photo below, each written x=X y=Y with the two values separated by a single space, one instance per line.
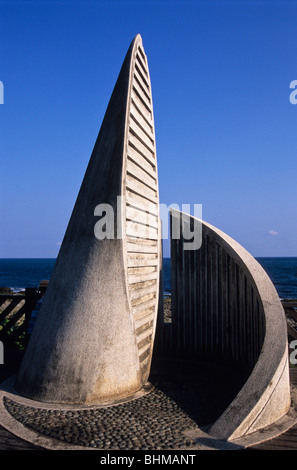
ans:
x=226 y=130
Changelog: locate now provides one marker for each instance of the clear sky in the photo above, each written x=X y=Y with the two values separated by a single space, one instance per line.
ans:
x=226 y=130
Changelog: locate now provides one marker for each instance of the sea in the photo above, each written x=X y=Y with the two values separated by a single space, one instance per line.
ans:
x=18 y=274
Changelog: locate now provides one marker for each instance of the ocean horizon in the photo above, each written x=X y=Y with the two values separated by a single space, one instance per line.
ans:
x=19 y=273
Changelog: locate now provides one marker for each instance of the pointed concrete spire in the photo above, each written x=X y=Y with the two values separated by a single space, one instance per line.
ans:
x=93 y=339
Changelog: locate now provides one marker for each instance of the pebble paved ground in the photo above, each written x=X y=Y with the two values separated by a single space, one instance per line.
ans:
x=150 y=422
x=156 y=420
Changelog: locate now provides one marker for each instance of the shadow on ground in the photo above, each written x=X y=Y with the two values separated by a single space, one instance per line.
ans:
x=203 y=391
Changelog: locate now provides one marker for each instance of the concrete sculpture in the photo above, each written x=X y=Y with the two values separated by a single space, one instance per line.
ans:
x=226 y=311
x=95 y=332
x=93 y=339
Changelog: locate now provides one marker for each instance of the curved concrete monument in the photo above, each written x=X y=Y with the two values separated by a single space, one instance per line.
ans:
x=93 y=339
x=226 y=311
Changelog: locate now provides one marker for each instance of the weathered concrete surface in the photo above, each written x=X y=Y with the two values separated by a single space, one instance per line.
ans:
x=225 y=309
x=265 y=398
x=85 y=346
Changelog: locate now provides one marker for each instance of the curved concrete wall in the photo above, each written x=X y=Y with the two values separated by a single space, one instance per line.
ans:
x=225 y=309
x=93 y=338
x=265 y=397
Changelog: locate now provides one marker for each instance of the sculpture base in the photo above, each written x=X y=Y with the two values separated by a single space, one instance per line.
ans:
x=172 y=411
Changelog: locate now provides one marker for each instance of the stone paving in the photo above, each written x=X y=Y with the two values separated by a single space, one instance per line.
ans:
x=157 y=420
x=150 y=422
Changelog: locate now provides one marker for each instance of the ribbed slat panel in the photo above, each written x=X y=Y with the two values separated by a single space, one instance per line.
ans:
x=141 y=174
x=141 y=135
x=141 y=189
x=142 y=213
x=141 y=261
x=134 y=229
x=138 y=200
x=140 y=292
x=141 y=148
x=133 y=279
x=141 y=77
x=145 y=218
x=143 y=120
x=144 y=319
x=135 y=248
x=140 y=60
x=138 y=82
x=215 y=309
x=141 y=105
x=141 y=162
